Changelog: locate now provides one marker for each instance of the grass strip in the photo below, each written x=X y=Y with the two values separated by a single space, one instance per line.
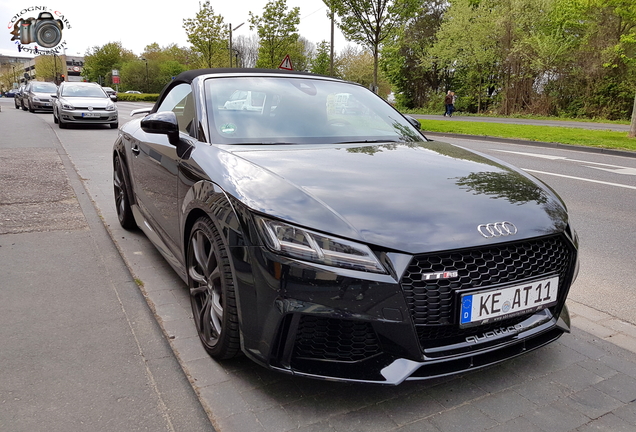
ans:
x=556 y=134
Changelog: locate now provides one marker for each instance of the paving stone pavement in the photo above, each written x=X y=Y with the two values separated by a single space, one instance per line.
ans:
x=585 y=381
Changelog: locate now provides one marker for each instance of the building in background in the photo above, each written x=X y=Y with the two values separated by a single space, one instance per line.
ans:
x=16 y=70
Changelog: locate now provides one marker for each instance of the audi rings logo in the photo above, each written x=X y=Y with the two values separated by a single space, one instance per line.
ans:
x=497 y=229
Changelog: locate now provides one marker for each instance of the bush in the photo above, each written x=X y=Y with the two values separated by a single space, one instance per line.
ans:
x=135 y=97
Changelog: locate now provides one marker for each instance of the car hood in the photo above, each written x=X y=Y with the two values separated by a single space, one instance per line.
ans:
x=42 y=94
x=87 y=101
x=407 y=197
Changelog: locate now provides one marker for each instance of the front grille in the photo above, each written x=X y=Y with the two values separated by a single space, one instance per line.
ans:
x=335 y=339
x=432 y=302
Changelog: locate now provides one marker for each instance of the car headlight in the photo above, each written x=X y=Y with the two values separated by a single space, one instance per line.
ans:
x=110 y=107
x=295 y=242
x=36 y=99
x=67 y=106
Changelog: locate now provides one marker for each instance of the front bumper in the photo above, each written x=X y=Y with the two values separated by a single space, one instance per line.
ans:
x=89 y=117
x=342 y=325
x=383 y=368
x=42 y=105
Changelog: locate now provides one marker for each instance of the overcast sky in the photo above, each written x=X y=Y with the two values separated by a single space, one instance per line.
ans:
x=137 y=23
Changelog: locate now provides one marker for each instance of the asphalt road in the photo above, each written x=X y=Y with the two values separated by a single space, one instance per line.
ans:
x=579 y=383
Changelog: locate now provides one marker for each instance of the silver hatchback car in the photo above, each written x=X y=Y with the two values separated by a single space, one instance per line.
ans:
x=36 y=96
x=84 y=103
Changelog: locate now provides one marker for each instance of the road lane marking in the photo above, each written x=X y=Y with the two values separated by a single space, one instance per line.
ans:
x=580 y=178
x=616 y=169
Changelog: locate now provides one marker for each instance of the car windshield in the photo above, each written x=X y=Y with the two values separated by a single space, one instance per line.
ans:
x=285 y=110
x=83 y=91
x=44 y=87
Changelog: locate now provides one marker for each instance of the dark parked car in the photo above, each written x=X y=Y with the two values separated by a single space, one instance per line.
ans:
x=10 y=93
x=345 y=247
x=37 y=96
x=111 y=92
x=17 y=98
x=84 y=103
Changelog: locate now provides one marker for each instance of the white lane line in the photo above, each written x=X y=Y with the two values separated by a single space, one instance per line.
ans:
x=580 y=178
x=616 y=169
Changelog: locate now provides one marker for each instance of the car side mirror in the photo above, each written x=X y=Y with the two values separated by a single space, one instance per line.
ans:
x=415 y=122
x=164 y=123
x=113 y=98
x=54 y=96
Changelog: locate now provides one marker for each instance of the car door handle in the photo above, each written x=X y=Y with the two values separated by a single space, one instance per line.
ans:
x=135 y=150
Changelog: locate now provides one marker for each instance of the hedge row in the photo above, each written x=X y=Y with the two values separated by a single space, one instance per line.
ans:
x=135 y=97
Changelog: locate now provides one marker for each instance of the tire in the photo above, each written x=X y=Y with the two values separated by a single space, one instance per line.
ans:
x=212 y=293
x=122 y=201
x=24 y=108
x=31 y=108
x=55 y=120
x=114 y=125
x=15 y=102
x=61 y=124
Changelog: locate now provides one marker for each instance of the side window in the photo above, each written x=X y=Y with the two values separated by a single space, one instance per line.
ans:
x=180 y=101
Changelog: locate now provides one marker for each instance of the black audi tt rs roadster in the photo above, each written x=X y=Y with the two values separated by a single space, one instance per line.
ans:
x=323 y=235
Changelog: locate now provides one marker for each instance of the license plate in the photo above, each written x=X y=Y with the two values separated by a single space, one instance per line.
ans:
x=498 y=304
x=90 y=114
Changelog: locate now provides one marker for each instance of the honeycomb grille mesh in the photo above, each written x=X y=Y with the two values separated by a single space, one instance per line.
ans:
x=335 y=339
x=432 y=302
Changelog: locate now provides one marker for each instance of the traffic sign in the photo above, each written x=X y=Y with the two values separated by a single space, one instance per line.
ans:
x=286 y=63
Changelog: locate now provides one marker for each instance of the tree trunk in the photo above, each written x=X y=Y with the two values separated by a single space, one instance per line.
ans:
x=375 y=69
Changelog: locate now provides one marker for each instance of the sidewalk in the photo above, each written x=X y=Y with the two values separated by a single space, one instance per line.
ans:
x=81 y=350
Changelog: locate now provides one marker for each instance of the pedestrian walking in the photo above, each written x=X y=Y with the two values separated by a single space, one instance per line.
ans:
x=448 y=102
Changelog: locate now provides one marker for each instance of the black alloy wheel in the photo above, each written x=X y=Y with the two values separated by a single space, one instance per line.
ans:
x=122 y=202
x=212 y=291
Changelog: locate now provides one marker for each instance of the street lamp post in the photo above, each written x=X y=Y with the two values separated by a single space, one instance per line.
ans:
x=147 y=89
x=55 y=69
x=235 y=28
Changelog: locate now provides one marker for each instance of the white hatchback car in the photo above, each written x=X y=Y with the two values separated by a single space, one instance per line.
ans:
x=84 y=103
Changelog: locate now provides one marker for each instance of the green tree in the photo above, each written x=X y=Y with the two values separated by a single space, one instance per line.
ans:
x=277 y=30
x=100 y=61
x=49 y=68
x=133 y=76
x=371 y=22
x=321 y=62
x=168 y=70
x=209 y=37
x=416 y=83
x=356 y=64
x=469 y=45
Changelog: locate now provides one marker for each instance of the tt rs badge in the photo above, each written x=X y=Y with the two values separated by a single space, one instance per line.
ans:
x=440 y=275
